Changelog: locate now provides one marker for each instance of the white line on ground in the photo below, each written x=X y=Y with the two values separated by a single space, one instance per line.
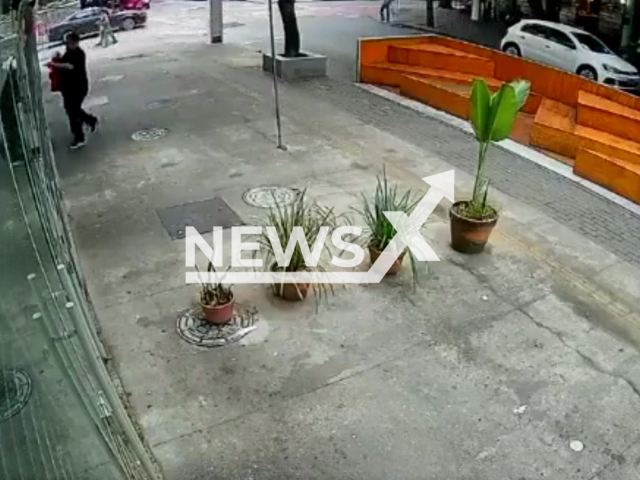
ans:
x=509 y=145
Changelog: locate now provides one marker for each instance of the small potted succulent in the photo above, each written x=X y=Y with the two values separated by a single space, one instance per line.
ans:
x=216 y=300
x=310 y=217
x=492 y=118
x=380 y=231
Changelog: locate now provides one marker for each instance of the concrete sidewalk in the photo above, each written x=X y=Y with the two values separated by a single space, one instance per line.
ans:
x=489 y=370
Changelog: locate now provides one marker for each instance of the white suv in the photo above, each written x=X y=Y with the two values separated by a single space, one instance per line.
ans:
x=568 y=48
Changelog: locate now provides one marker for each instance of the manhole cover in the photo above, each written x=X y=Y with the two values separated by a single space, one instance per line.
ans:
x=149 y=134
x=202 y=216
x=270 y=196
x=15 y=391
x=196 y=331
x=162 y=103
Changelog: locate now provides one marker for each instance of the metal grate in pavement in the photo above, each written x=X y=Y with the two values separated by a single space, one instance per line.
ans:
x=203 y=216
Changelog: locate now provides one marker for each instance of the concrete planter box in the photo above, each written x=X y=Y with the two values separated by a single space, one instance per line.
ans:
x=308 y=66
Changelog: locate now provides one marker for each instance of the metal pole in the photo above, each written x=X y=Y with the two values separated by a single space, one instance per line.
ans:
x=215 y=21
x=274 y=72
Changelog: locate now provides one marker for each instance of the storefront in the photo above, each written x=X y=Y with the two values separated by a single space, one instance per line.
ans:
x=60 y=414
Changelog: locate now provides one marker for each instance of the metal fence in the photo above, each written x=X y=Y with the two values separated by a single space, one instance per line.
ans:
x=60 y=414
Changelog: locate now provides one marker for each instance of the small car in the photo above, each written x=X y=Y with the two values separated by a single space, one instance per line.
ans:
x=570 y=49
x=86 y=22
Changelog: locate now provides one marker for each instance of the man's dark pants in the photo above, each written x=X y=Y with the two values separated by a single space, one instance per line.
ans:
x=77 y=116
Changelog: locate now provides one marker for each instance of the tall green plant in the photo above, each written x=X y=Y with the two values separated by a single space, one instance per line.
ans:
x=380 y=231
x=309 y=216
x=492 y=118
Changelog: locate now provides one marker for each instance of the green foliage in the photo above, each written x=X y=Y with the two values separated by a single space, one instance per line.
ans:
x=492 y=118
x=214 y=294
x=379 y=230
x=310 y=217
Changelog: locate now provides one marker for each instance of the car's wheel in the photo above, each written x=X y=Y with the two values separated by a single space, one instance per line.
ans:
x=512 y=49
x=588 y=72
x=128 y=24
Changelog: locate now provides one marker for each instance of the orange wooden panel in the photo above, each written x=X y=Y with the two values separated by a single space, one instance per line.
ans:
x=465 y=47
x=381 y=76
x=547 y=81
x=436 y=56
x=554 y=140
x=589 y=99
x=436 y=95
x=607 y=144
x=522 y=127
x=607 y=116
x=433 y=73
x=556 y=115
x=617 y=175
x=554 y=128
x=454 y=99
x=374 y=50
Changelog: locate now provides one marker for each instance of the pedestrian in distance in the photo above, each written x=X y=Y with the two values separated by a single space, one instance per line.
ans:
x=74 y=86
x=385 y=8
x=107 y=37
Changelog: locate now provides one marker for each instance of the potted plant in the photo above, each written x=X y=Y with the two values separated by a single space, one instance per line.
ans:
x=380 y=231
x=310 y=217
x=492 y=118
x=216 y=300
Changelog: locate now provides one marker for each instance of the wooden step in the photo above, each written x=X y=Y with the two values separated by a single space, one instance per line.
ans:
x=607 y=144
x=390 y=74
x=440 y=57
x=462 y=90
x=454 y=99
x=616 y=175
x=608 y=116
x=554 y=128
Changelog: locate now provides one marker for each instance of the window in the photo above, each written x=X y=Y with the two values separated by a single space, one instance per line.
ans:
x=534 y=29
x=591 y=43
x=560 y=38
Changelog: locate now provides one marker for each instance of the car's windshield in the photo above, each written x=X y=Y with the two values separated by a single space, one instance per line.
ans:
x=592 y=43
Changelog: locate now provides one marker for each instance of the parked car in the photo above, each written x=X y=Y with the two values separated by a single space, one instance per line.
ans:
x=571 y=49
x=86 y=22
x=117 y=4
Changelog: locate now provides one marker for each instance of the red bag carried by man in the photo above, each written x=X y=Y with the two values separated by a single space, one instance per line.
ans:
x=54 y=75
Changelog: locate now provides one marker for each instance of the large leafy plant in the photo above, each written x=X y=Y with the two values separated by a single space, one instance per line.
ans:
x=492 y=117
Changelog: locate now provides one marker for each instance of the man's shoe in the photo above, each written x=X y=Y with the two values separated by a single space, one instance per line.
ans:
x=93 y=126
x=77 y=144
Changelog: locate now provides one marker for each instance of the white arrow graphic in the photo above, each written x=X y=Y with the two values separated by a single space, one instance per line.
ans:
x=408 y=236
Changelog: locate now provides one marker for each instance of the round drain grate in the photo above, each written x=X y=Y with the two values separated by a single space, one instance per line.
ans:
x=15 y=392
x=196 y=331
x=149 y=134
x=270 y=196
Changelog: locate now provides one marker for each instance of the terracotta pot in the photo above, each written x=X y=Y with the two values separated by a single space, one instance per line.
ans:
x=374 y=254
x=469 y=235
x=219 y=314
x=289 y=292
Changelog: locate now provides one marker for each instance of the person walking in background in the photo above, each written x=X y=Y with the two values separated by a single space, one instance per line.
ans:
x=74 y=86
x=385 y=7
x=107 y=37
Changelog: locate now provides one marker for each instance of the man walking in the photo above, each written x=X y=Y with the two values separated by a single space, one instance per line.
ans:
x=107 y=36
x=385 y=7
x=74 y=86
